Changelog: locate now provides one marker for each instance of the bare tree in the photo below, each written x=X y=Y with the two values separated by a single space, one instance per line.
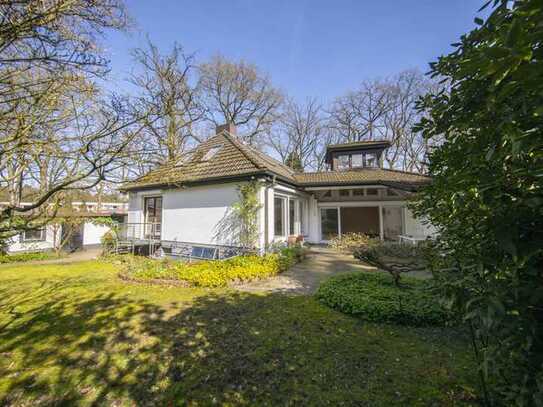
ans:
x=58 y=132
x=239 y=93
x=167 y=88
x=358 y=115
x=300 y=127
x=385 y=110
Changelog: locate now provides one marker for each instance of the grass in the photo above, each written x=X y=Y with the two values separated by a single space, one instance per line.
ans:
x=76 y=335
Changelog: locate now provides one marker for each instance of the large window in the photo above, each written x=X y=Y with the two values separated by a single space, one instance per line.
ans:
x=279 y=216
x=35 y=235
x=153 y=216
x=291 y=217
x=329 y=223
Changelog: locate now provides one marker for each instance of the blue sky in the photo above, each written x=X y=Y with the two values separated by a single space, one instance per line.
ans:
x=309 y=48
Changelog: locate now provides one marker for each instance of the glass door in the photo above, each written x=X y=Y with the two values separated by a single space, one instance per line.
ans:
x=153 y=217
x=329 y=223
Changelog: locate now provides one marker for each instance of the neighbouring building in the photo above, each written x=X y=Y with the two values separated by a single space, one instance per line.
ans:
x=190 y=201
x=85 y=234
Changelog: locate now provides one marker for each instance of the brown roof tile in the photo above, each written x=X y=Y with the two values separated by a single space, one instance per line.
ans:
x=392 y=178
x=232 y=160
x=235 y=159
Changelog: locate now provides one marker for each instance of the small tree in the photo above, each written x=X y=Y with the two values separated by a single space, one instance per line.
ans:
x=246 y=210
x=293 y=161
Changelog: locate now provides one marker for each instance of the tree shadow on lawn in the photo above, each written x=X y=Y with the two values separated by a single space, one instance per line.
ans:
x=96 y=349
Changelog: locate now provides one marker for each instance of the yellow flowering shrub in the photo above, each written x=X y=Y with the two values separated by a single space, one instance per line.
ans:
x=212 y=273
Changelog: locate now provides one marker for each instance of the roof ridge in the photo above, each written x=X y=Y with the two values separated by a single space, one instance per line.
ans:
x=366 y=169
x=232 y=139
x=263 y=155
x=406 y=172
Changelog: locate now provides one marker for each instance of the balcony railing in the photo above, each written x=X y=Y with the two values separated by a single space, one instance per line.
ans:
x=139 y=231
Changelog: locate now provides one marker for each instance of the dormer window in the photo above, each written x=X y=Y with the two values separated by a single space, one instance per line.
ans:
x=356 y=160
x=362 y=154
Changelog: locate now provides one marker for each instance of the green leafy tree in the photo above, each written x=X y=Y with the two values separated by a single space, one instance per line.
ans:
x=293 y=161
x=246 y=210
x=487 y=194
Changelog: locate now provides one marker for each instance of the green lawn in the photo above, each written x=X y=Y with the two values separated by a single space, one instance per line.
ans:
x=76 y=335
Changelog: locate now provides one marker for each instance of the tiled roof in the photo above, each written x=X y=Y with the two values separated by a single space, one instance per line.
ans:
x=392 y=178
x=235 y=159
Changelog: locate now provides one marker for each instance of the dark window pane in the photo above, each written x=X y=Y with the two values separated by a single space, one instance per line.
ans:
x=302 y=222
x=343 y=192
x=34 y=235
x=291 y=215
x=358 y=192
x=329 y=223
x=391 y=192
x=279 y=217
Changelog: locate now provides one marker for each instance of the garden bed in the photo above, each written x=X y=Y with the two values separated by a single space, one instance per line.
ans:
x=375 y=297
x=212 y=273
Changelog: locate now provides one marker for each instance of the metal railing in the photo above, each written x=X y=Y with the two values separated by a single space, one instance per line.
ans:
x=139 y=231
x=202 y=251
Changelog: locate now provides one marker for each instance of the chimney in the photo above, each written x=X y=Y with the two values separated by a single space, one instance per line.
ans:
x=229 y=127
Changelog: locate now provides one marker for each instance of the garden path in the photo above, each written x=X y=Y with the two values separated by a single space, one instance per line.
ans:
x=304 y=278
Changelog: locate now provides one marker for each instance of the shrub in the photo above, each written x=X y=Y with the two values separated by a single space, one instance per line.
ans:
x=213 y=273
x=349 y=242
x=486 y=194
x=375 y=297
x=22 y=257
x=393 y=257
x=108 y=241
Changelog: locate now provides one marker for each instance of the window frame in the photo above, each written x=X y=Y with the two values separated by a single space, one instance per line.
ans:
x=284 y=226
x=375 y=159
x=42 y=238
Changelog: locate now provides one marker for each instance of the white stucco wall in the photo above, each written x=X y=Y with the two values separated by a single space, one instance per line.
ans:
x=15 y=245
x=92 y=234
x=200 y=214
x=417 y=227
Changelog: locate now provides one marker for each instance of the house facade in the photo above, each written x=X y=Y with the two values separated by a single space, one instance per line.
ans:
x=191 y=200
x=83 y=235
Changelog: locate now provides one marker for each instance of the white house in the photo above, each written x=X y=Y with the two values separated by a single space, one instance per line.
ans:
x=85 y=235
x=190 y=201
